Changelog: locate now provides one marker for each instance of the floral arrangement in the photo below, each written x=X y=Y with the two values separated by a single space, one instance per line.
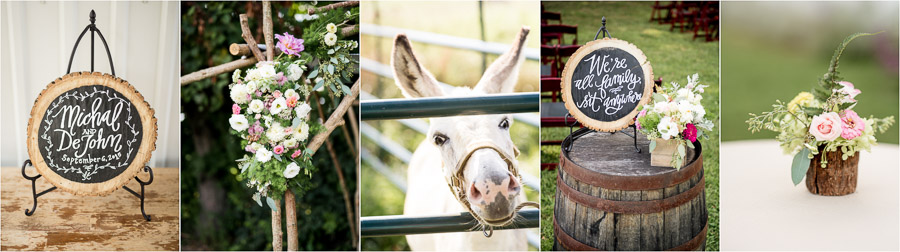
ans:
x=675 y=113
x=271 y=111
x=821 y=120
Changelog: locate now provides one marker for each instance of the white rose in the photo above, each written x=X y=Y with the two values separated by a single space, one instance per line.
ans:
x=263 y=155
x=292 y=170
x=278 y=105
x=290 y=143
x=294 y=72
x=331 y=28
x=239 y=94
x=239 y=122
x=267 y=71
x=256 y=106
x=275 y=133
x=252 y=86
x=667 y=128
x=302 y=132
x=330 y=39
x=686 y=111
x=290 y=93
x=302 y=110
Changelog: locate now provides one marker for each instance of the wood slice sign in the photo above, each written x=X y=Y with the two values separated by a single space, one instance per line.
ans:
x=90 y=133
x=604 y=82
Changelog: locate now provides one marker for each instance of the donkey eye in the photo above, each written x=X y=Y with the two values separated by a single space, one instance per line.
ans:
x=504 y=124
x=440 y=139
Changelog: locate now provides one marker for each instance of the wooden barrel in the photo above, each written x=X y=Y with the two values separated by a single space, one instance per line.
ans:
x=608 y=197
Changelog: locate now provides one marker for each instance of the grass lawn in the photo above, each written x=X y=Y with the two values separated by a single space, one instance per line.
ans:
x=673 y=56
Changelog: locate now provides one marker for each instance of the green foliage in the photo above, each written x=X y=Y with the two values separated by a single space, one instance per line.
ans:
x=217 y=210
x=799 y=166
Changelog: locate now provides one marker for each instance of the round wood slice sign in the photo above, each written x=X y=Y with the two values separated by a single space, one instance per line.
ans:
x=604 y=82
x=90 y=133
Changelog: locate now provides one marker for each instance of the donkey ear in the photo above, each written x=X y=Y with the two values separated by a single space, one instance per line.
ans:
x=502 y=75
x=411 y=77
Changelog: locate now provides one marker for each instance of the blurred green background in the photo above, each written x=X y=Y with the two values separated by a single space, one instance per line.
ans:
x=774 y=50
x=673 y=56
x=458 y=67
x=217 y=212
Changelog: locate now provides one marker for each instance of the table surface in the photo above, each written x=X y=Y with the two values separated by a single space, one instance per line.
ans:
x=64 y=221
x=761 y=209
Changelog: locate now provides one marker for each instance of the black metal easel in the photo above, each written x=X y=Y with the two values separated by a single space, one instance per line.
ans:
x=93 y=28
x=582 y=132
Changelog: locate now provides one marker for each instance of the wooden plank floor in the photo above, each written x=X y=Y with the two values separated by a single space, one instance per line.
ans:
x=64 y=221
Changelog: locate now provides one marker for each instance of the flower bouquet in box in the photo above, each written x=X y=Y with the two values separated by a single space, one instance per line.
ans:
x=823 y=132
x=673 y=120
x=271 y=109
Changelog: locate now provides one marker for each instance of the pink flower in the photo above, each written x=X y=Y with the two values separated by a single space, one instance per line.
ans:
x=847 y=88
x=292 y=101
x=235 y=109
x=690 y=132
x=279 y=149
x=296 y=154
x=280 y=79
x=826 y=127
x=851 y=125
x=276 y=94
x=250 y=149
x=288 y=44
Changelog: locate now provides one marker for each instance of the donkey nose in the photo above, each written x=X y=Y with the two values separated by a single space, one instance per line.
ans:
x=493 y=193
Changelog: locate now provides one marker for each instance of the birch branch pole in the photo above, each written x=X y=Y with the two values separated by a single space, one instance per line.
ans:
x=333 y=6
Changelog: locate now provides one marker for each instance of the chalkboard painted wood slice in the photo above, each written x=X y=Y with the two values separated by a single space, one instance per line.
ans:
x=90 y=133
x=604 y=82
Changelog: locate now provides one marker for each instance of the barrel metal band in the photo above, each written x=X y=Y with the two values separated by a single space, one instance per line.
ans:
x=570 y=244
x=630 y=207
x=631 y=183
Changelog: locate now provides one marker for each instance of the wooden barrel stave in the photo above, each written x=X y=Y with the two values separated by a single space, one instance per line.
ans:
x=682 y=226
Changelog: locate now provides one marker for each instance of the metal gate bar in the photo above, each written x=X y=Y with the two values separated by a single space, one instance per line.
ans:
x=390 y=109
x=391 y=225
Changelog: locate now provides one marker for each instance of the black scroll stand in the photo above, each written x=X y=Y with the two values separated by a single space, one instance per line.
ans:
x=93 y=28
x=584 y=131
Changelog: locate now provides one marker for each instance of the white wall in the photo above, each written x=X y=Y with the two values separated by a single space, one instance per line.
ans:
x=37 y=39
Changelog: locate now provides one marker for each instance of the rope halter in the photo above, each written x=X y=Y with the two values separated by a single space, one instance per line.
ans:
x=458 y=189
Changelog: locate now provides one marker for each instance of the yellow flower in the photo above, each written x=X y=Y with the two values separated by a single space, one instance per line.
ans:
x=803 y=99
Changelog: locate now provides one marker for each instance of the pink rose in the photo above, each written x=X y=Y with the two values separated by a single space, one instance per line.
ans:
x=276 y=94
x=690 y=132
x=235 y=109
x=851 y=125
x=292 y=101
x=296 y=154
x=826 y=127
x=847 y=88
x=279 y=149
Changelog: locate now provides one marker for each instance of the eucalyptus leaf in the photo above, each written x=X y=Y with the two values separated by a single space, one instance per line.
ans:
x=681 y=150
x=800 y=165
x=345 y=89
x=256 y=197
x=277 y=157
x=658 y=97
x=334 y=60
x=244 y=166
x=331 y=51
x=652 y=145
x=330 y=69
x=319 y=84
x=313 y=74
x=271 y=203
x=296 y=122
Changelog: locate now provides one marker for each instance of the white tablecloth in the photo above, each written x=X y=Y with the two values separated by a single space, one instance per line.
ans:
x=761 y=209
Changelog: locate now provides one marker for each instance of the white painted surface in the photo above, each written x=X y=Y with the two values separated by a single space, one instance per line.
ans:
x=761 y=209
x=37 y=39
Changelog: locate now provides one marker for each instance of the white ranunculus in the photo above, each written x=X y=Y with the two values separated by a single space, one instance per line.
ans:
x=667 y=128
x=330 y=39
x=263 y=155
x=686 y=111
x=239 y=94
x=290 y=143
x=302 y=132
x=294 y=72
x=302 y=110
x=236 y=76
x=238 y=122
x=292 y=170
x=290 y=93
x=331 y=28
x=256 y=106
x=252 y=86
x=278 y=105
x=276 y=133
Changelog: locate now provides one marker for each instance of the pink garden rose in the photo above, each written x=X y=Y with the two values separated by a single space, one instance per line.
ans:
x=690 y=132
x=851 y=125
x=235 y=109
x=826 y=127
x=279 y=149
x=292 y=101
x=847 y=88
x=296 y=154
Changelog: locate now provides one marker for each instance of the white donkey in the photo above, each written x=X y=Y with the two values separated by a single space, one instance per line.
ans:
x=492 y=191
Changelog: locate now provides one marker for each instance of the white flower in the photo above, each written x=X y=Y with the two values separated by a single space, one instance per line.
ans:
x=290 y=143
x=661 y=107
x=275 y=133
x=263 y=71
x=355 y=44
x=239 y=122
x=294 y=72
x=252 y=86
x=302 y=110
x=256 y=106
x=278 y=105
x=292 y=170
x=667 y=128
x=239 y=94
x=263 y=155
x=699 y=112
x=686 y=111
x=255 y=146
x=331 y=28
x=347 y=14
x=236 y=76
x=302 y=132
x=290 y=93
x=330 y=39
